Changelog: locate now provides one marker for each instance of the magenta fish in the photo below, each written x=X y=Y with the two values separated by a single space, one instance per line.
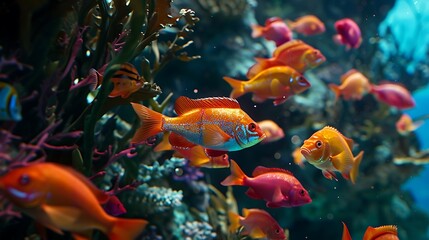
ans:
x=394 y=95
x=278 y=187
x=348 y=33
x=275 y=29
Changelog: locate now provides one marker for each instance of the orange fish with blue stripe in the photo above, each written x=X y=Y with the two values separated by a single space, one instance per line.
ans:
x=217 y=124
x=61 y=199
x=330 y=151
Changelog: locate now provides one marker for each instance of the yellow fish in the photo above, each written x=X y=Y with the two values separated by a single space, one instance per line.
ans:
x=330 y=151
x=354 y=85
x=278 y=83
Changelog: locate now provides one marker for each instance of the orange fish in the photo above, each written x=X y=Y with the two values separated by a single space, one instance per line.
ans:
x=405 y=124
x=388 y=232
x=330 y=151
x=354 y=85
x=298 y=158
x=295 y=54
x=278 y=83
x=271 y=130
x=60 y=198
x=217 y=124
x=196 y=155
x=256 y=223
x=307 y=25
x=125 y=81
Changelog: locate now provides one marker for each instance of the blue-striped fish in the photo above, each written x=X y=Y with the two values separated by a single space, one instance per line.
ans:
x=10 y=108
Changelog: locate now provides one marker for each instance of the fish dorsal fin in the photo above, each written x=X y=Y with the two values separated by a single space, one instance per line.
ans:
x=372 y=233
x=101 y=196
x=185 y=104
x=348 y=74
x=262 y=170
x=349 y=141
x=285 y=46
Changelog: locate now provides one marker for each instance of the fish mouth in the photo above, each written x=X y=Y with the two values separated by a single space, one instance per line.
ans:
x=305 y=152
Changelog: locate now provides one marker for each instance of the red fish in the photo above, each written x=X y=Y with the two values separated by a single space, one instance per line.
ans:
x=275 y=29
x=295 y=54
x=388 y=232
x=394 y=95
x=278 y=83
x=307 y=25
x=349 y=33
x=278 y=187
x=256 y=223
x=60 y=198
x=197 y=155
x=217 y=124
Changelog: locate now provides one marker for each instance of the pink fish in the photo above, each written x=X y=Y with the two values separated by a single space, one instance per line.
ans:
x=348 y=33
x=394 y=95
x=278 y=187
x=271 y=130
x=275 y=29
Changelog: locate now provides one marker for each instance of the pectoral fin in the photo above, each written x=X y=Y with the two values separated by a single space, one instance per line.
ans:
x=62 y=215
x=214 y=136
x=277 y=195
x=339 y=161
x=257 y=233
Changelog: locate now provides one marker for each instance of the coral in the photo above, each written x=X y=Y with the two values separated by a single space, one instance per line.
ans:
x=197 y=230
x=154 y=199
x=156 y=171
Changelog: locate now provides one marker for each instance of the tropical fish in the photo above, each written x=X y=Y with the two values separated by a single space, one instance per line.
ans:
x=330 y=151
x=271 y=130
x=295 y=54
x=60 y=198
x=256 y=223
x=196 y=155
x=307 y=25
x=348 y=33
x=278 y=83
x=217 y=124
x=354 y=85
x=388 y=232
x=126 y=80
x=10 y=108
x=405 y=124
x=275 y=29
x=394 y=95
x=298 y=158
x=278 y=187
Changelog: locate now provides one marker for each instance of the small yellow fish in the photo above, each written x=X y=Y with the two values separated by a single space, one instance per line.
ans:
x=330 y=151
x=271 y=130
x=277 y=83
x=405 y=124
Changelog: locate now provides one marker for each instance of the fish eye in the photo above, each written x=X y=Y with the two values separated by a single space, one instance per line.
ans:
x=251 y=127
x=277 y=231
x=302 y=192
x=24 y=179
x=319 y=144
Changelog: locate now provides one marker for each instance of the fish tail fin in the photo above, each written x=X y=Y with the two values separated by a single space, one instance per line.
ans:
x=151 y=123
x=336 y=90
x=237 y=87
x=237 y=175
x=126 y=228
x=291 y=24
x=346 y=233
x=234 y=221
x=256 y=30
x=355 y=170
x=261 y=64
